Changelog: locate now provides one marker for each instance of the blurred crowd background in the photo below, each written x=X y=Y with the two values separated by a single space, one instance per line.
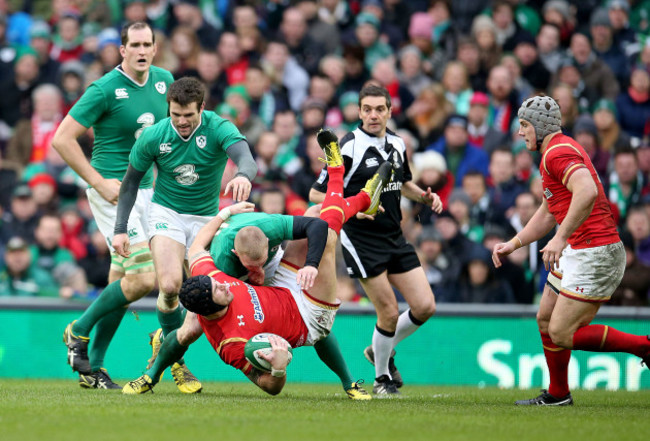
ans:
x=456 y=71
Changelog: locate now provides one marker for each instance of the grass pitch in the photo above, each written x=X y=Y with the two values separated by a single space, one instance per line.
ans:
x=60 y=410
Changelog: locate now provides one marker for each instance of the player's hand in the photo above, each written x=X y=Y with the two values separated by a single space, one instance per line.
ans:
x=551 y=253
x=121 y=244
x=361 y=215
x=432 y=200
x=109 y=189
x=279 y=358
x=256 y=277
x=241 y=188
x=306 y=277
x=241 y=207
x=500 y=250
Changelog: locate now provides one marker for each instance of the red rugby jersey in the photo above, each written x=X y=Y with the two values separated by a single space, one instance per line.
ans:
x=253 y=310
x=562 y=158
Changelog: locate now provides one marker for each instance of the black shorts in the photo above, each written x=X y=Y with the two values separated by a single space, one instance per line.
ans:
x=368 y=256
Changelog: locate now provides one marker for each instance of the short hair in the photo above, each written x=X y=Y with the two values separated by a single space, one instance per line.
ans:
x=135 y=25
x=372 y=90
x=251 y=241
x=625 y=150
x=503 y=149
x=185 y=91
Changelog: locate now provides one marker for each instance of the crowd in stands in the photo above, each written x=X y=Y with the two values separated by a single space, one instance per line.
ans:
x=456 y=71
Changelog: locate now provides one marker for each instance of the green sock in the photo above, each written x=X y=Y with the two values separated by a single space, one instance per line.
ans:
x=104 y=332
x=329 y=352
x=170 y=321
x=109 y=300
x=170 y=352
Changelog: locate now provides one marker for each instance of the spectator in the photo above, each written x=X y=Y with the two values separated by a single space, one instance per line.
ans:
x=503 y=98
x=72 y=83
x=509 y=33
x=67 y=41
x=250 y=125
x=436 y=264
x=286 y=127
x=108 y=50
x=20 y=277
x=72 y=281
x=624 y=36
x=548 y=46
x=411 y=74
x=532 y=68
x=633 y=106
x=459 y=208
x=525 y=167
x=323 y=89
x=349 y=105
x=46 y=252
x=419 y=32
x=611 y=136
x=480 y=133
x=40 y=40
x=457 y=89
x=210 y=70
x=16 y=90
x=187 y=13
x=385 y=74
x=638 y=224
x=484 y=32
x=478 y=283
x=606 y=49
x=563 y=94
x=32 y=139
x=430 y=170
x=22 y=218
x=285 y=71
x=460 y=155
x=356 y=73
x=633 y=290
x=73 y=237
x=367 y=36
x=558 y=13
x=266 y=151
x=303 y=48
x=264 y=101
x=428 y=114
x=44 y=192
x=598 y=77
x=457 y=247
x=585 y=133
x=97 y=262
x=325 y=34
x=625 y=182
x=186 y=46
x=504 y=188
x=333 y=66
x=234 y=61
x=305 y=177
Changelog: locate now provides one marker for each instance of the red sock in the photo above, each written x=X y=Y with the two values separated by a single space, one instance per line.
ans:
x=336 y=210
x=601 y=338
x=557 y=360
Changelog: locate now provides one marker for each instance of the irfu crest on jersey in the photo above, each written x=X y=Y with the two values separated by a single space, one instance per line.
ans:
x=201 y=141
x=161 y=87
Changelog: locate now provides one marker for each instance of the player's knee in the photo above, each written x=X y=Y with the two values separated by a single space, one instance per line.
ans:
x=388 y=316
x=561 y=337
x=167 y=301
x=542 y=323
x=424 y=311
x=170 y=287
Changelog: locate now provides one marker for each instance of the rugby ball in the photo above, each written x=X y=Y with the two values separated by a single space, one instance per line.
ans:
x=259 y=344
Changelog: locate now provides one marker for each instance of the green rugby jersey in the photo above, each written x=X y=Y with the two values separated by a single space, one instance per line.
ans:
x=189 y=171
x=119 y=109
x=277 y=227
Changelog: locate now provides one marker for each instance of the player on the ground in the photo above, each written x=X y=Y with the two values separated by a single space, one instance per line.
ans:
x=190 y=150
x=235 y=248
x=231 y=311
x=374 y=247
x=585 y=256
x=118 y=107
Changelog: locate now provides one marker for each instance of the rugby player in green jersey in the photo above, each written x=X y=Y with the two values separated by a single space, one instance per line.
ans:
x=190 y=150
x=118 y=107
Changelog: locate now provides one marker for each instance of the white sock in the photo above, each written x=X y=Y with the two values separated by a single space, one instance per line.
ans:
x=382 y=345
x=405 y=327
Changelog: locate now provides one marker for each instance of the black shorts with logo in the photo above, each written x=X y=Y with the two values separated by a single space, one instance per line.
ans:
x=368 y=256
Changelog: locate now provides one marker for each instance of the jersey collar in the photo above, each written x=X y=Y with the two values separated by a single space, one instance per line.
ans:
x=191 y=134
x=120 y=70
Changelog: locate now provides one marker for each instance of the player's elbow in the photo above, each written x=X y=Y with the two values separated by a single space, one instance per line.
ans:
x=316 y=196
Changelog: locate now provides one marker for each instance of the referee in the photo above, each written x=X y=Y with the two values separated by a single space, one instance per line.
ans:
x=374 y=246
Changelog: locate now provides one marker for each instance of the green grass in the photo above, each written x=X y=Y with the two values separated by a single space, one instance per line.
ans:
x=60 y=410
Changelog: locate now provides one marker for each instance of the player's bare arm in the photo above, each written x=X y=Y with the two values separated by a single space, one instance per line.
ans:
x=272 y=383
x=584 y=192
x=315 y=196
x=207 y=232
x=413 y=192
x=66 y=144
x=539 y=226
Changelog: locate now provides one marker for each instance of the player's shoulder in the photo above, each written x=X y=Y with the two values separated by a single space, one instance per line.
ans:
x=157 y=130
x=563 y=145
x=213 y=121
x=158 y=73
x=396 y=140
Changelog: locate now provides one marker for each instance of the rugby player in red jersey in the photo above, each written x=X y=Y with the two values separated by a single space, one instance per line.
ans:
x=585 y=256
